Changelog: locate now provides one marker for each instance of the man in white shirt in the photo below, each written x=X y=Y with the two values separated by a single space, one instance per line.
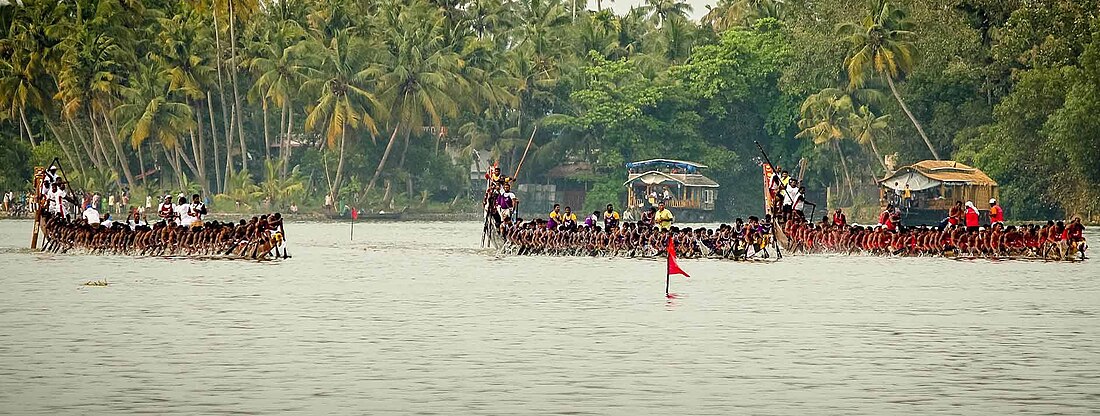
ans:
x=198 y=209
x=183 y=213
x=53 y=199
x=91 y=216
x=790 y=196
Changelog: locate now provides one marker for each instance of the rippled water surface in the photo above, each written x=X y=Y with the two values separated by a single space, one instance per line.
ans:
x=412 y=318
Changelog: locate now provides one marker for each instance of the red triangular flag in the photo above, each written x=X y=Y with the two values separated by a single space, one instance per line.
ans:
x=354 y=214
x=674 y=268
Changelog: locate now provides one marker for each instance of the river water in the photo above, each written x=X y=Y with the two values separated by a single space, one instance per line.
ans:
x=413 y=318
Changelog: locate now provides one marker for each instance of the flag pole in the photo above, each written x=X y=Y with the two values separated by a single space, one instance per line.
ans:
x=354 y=214
x=668 y=262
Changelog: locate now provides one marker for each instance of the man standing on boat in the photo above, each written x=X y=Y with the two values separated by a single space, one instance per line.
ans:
x=610 y=218
x=996 y=213
x=198 y=210
x=507 y=202
x=663 y=217
x=972 y=216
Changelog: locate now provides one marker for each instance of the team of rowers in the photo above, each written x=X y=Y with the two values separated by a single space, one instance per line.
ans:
x=180 y=230
x=741 y=241
x=1055 y=240
x=604 y=234
x=256 y=238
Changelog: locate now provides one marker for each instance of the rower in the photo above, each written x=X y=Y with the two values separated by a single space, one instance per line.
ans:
x=91 y=216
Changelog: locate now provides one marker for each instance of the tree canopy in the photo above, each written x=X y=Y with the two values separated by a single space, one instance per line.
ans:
x=387 y=102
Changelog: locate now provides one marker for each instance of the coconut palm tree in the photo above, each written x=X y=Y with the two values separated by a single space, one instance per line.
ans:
x=31 y=49
x=89 y=82
x=151 y=112
x=881 y=44
x=865 y=127
x=280 y=69
x=183 y=53
x=417 y=76
x=825 y=121
x=342 y=101
x=661 y=10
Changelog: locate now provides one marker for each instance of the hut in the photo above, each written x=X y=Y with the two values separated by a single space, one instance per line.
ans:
x=934 y=186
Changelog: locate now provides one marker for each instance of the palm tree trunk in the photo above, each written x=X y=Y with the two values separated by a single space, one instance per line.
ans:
x=194 y=169
x=64 y=148
x=340 y=164
x=226 y=122
x=847 y=174
x=878 y=155
x=267 y=135
x=200 y=148
x=281 y=136
x=289 y=130
x=405 y=150
x=229 y=151
x=233 y=77
x=74 y=130
x=382 y=163
x=916 y=123
x=102 y=148
x=175 y=166
x=141 y=164
x=122 y=159
x=30 y=134
x=214 y=142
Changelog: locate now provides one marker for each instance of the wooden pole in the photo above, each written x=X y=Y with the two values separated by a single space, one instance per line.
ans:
x=668 y=262
x=521 y=159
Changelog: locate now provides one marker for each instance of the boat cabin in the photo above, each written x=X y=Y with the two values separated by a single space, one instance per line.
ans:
x=678 y=183
x=935 y=185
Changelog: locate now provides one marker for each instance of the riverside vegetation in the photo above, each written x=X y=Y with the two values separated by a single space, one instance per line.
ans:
x=384 y=102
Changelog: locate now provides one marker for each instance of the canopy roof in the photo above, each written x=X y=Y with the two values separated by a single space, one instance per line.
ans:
x=656 y=178
x=690 y=167
x=932 y=173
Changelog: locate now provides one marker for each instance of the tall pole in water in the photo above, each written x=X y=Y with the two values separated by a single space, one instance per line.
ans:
x=39 y=173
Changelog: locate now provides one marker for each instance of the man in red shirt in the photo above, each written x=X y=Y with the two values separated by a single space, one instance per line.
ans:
x=996 y=213
x=971 y=217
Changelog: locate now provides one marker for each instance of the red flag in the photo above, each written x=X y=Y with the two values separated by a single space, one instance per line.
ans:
x=674 y=268
x=354 y=214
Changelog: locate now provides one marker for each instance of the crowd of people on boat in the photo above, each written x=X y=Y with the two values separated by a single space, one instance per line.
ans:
x=180 y=228
x=961 y=233
x=605 y=233
x=1056 y=240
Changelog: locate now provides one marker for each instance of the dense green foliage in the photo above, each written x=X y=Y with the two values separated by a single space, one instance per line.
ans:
x=386 y=102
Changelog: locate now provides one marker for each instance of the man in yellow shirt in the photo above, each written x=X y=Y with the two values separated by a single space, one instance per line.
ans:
x=569 y=219
x=664 y=217
x=555 y=217
x=610 y=218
